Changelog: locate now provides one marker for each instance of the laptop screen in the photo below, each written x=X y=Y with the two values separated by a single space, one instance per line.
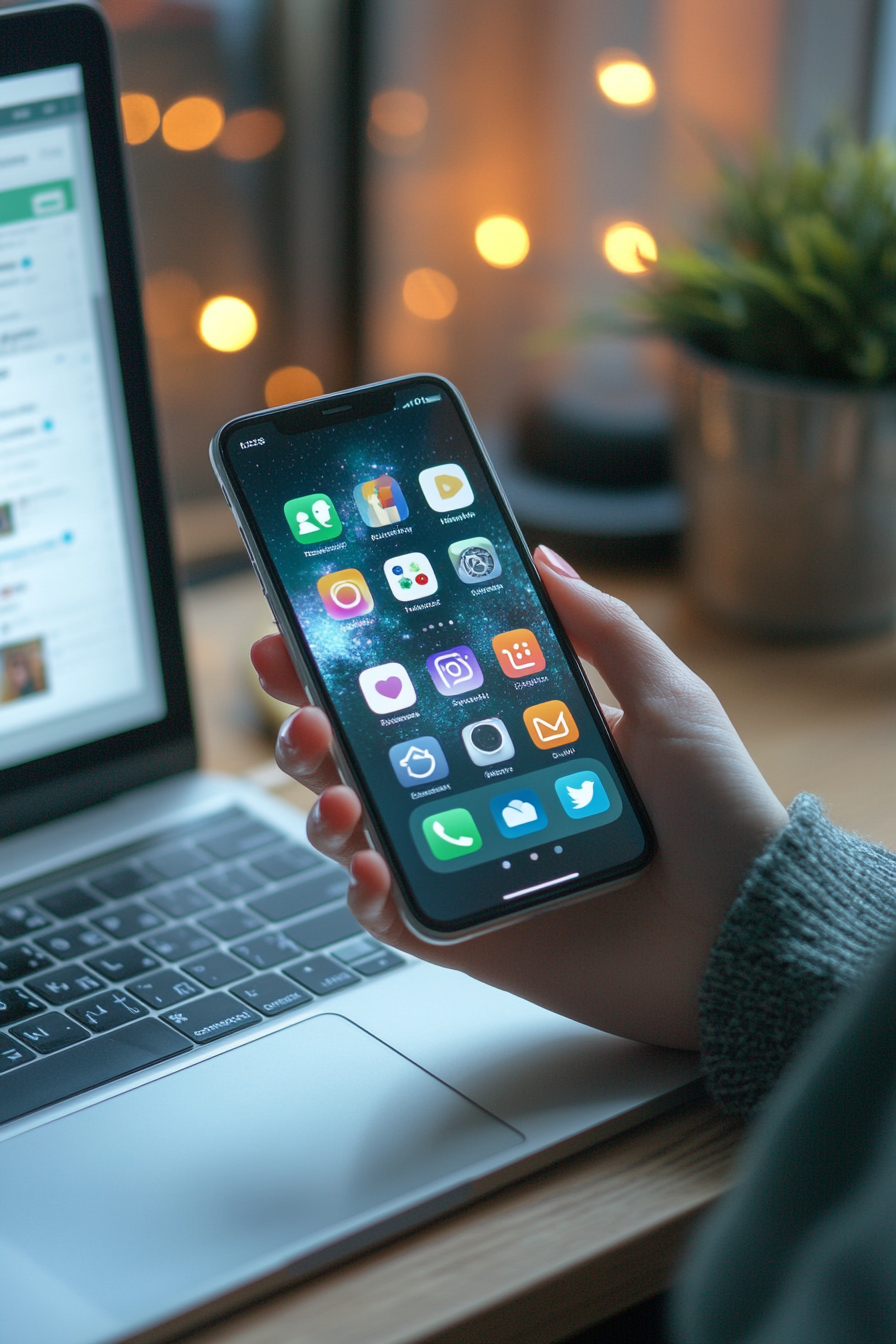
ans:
x=79 y=656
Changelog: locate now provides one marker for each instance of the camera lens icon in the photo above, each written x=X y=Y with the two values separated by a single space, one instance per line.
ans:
x=488 y=742
x=454 y=671
x=345 y=594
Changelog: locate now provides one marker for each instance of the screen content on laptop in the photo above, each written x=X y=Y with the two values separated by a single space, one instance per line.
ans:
x=79 y=658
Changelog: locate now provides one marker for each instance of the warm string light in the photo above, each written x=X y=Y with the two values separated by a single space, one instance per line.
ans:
x=625 y=80
x=227 y=323
x=291 y=383
x=627 y=246
x=397 y=121
x=428 y=293
x=140 y=116
x=192 y=123
x=250 y=134
x=502 y=241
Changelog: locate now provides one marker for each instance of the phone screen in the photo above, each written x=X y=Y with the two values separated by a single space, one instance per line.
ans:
x=486 y=766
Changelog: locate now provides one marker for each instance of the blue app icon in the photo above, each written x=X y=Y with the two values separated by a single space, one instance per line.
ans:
x=419 y=761
x=518 y=813
x=582 y=794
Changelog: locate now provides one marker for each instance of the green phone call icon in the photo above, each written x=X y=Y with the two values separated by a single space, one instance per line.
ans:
x=451 y=835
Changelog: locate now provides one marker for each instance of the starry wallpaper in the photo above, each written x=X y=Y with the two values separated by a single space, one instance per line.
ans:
x=424 y=431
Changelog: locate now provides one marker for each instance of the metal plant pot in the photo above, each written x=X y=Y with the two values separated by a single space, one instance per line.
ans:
x=791 y=488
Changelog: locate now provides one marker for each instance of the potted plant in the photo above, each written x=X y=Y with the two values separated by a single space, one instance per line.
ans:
x=786 y=321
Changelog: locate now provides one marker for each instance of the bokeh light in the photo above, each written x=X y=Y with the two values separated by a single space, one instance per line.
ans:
x=399 y=112
x=291 y=383
x=192 y=123
x=141 y=117
x=627 y=246
x=227 y=323
x=502 y=241
x=250 y=134
x=170 y=302
x=624 y=80
x=428 y=293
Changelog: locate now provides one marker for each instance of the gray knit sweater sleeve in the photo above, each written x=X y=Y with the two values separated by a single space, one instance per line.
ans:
x=813 y=912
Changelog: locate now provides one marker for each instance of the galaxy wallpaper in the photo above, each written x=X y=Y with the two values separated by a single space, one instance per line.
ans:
x=406 y=612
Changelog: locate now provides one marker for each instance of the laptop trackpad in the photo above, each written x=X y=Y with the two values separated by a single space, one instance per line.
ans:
x=177 y=1190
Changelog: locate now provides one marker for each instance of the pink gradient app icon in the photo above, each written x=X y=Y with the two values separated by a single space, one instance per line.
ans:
x=345 y=594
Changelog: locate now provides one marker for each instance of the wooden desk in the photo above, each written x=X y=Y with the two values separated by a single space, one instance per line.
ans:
x=591 y=1235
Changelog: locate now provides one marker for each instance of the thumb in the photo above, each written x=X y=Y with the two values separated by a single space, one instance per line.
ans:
x=637 y=666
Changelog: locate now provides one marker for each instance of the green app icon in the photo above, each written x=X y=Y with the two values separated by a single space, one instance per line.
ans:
x=451 y=835
x=312 y=518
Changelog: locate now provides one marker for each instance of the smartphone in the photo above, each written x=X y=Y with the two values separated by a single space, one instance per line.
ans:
x=416 y=618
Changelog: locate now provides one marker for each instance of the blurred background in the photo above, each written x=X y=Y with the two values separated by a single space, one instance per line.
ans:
x=335 y=191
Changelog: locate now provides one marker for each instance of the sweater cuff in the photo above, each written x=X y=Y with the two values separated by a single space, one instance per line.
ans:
x=813 y=912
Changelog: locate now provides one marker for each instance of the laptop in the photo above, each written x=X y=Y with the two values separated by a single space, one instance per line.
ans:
x=212 y=1081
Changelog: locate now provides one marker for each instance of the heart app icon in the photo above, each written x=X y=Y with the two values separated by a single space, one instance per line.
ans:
x=387 y=688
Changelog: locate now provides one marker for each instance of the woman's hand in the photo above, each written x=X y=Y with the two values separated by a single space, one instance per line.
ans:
x=628 y=961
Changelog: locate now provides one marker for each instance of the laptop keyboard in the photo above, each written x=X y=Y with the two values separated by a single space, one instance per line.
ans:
x=163 y=947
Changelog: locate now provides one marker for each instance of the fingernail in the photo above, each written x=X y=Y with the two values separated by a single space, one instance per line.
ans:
x=557 y=563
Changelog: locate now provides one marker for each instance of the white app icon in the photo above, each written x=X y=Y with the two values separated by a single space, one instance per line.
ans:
x=387 y=688
x=519 y=813
x=446 y=488
x=581 y=797
x=488 y=742
x=411 y=577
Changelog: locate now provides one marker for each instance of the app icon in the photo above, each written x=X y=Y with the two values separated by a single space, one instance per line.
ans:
x=487 y=742
x=380 y=502
x=475 y=560
x=550 y=724
x=312 y=518
x=519 y=653
x=418 y=762
x=387 y=688
x=411 y=576
x=345 y=594
x=582 y=794
x=518 y=813
x=446 y=488
x=451 y=835
x=455 y=670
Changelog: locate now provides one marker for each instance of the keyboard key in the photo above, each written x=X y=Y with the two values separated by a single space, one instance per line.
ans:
x=176 y=944
x=271 y=994
x=164 y=988
x=69 y=903
x=98 y=1060
x=298 y=897
x=232 y=882
x=268 y=950
x=108 y=1010
x=12 y=1054
x=18 y=920
x=286 y=862
x=359 y=948
x=177 y=862
x=207 y=1019
x=181 y=902
x=124 y=881
x=216 y=970
x=66 y=983
x=233 y=923
x=16 y=1004
x=230 y=844
x=319 y=930
x=122 y=962
x=72 y=941
x=321 y=975
x=384 y=960
x=128 y=920
x=49 y=1033
x=22 y=960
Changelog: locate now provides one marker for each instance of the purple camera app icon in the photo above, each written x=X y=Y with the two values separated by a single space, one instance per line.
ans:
x=455 y=671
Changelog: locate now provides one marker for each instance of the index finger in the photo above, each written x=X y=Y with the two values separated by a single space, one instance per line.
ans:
x=275 y=671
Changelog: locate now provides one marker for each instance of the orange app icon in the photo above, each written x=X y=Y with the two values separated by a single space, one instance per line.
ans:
x=550 y=724
x=519 y=653
x=345 y=594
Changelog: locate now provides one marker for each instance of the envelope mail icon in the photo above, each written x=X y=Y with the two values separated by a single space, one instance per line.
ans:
x=550 y=724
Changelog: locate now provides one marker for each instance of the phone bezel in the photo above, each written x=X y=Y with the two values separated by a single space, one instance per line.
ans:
x=300 y=418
